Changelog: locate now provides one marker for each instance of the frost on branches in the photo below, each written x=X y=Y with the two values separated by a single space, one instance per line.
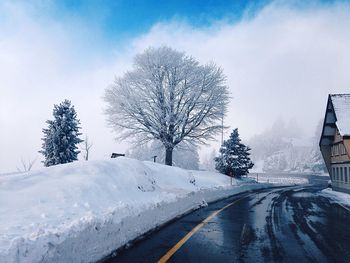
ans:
x=170 y=97
x=61 y=136
x=234 y=158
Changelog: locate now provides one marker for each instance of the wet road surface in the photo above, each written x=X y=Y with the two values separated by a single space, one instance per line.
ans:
x=291 y=224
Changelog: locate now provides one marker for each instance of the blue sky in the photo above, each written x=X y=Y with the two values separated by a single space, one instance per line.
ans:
x=132 y=17
x=129 y=17
x=109 y=24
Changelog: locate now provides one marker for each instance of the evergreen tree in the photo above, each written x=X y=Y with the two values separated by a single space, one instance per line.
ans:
x=61 y=136
x=234 y=158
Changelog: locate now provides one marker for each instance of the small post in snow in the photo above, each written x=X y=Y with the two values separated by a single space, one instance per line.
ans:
x=257 y=177
x=154 y=158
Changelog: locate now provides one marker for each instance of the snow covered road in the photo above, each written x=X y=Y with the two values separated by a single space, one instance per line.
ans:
x=291 y=224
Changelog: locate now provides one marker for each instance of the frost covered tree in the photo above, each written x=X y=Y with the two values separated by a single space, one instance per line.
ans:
x=170 y=97
x=26 y=166
x=234 y=158
x=86 y=146
x=276 y=162
x=62 y=136
x=316 y=161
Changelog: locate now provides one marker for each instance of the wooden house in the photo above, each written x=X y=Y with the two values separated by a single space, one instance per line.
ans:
x=335 y=141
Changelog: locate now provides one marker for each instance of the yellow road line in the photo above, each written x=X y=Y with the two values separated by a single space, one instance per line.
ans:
x=179 y=244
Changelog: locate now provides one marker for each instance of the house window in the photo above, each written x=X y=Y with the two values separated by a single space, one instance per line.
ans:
x=333 y=174
x=346 y=174
x=334 y=150
x=337 y=174
x=341 y=174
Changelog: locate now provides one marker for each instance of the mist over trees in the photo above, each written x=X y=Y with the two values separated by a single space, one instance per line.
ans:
x=315 y=159
x=282 y=148
x=170 y=97
x=208 y=162
x=62 y=136
x=184 y=156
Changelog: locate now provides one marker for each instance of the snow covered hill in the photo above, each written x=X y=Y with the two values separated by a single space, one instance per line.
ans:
x=83 y=211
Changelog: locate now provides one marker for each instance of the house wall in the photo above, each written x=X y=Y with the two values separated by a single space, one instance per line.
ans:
x=340 y=167
x=347 y=145
x=337 y=137
x=340 y=154
x=335 y=150
x=340 y=158
x=340 y=176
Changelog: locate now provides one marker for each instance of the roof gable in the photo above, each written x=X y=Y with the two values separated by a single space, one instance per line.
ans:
x=329 y=127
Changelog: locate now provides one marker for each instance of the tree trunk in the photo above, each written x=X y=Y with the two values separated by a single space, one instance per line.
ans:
x=169 y=156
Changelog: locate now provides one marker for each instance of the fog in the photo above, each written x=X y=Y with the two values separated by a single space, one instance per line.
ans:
x=280 y=64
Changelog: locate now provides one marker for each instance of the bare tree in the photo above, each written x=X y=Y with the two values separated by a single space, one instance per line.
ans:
x=26 y=166
x=85 y=147
x=170 y=97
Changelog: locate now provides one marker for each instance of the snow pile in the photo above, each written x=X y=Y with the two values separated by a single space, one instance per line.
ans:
x=338 y=197
x=83 y=211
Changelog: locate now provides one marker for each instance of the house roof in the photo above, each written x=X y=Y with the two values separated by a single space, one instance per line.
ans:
x=341 y=106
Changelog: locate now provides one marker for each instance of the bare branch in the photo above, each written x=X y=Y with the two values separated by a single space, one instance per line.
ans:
x=169 y=97
x=85 y=147
x=26 y=166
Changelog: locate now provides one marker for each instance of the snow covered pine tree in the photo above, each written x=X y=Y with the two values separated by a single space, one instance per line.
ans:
x=61 y=137
x=234 y=158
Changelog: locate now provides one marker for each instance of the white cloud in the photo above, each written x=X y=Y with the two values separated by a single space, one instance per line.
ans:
x=39 y=68
x=281 y=63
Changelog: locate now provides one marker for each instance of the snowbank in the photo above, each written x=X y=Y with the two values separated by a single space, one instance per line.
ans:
x=83 y=211
x=338 y=197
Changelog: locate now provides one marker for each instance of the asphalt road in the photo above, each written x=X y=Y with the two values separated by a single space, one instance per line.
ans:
x=277 y=225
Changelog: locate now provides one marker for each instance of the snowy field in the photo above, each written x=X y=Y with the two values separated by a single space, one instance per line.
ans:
x=280 y=179
x=289 y=178
x=82 y=211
